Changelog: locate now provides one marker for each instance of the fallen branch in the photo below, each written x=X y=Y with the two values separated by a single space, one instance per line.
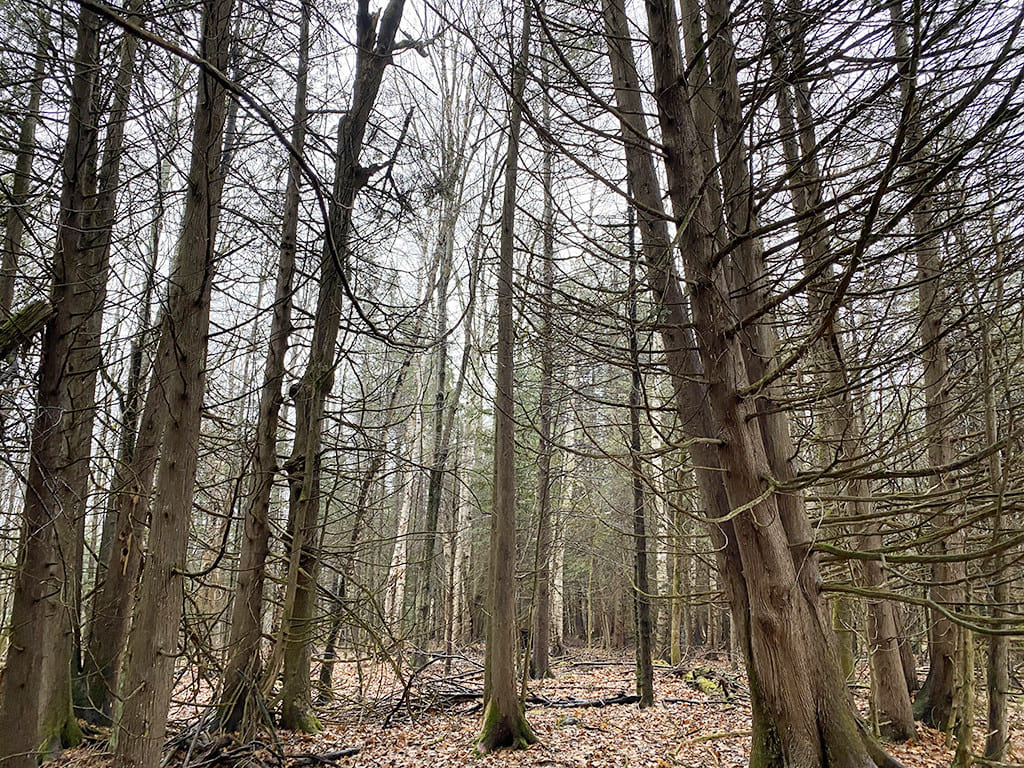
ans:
x=326 y=758
x=574 y=703
x=723 y=735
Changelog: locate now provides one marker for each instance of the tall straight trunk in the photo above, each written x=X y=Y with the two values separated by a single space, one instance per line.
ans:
x=890 y=698
x=374 y=47
x=180 y=369
x=394 y=596
x=504 y=722
x=36 y=716
x=17 y=203
x=997 y=672
x=239 y=700
x=934 y=702
x=425 y=575
x=540 y=662
x=679 y=599
x=641 y=579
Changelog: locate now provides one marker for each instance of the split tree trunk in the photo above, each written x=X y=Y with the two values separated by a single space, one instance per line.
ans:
x=374 y=47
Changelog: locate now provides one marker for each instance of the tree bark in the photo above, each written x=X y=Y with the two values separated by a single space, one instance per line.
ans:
x=36 y=716
x=504 y=723
x=239 y=704
x=374 y=47
x=180 y=367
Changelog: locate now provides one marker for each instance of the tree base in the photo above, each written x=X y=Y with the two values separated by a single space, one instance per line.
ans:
x=504 y=731
x=69 y=735
x=300 y=719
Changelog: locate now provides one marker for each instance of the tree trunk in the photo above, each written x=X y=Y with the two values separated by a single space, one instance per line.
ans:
x=17 y=204
x=934 y=702
x=641 y=580
x=504 y=723
x=540 y=662
x=36 y=716
x=802 y=713
x=239 y=704
x=373 y=54
x=180 y=366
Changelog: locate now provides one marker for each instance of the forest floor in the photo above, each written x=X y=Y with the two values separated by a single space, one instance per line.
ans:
x=701 y=718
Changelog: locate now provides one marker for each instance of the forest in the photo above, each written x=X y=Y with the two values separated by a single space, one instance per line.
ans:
x=531 y=384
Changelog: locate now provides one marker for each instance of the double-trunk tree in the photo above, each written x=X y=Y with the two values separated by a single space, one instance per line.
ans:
x=803 y=715
x=179 y=369
x=374 y=49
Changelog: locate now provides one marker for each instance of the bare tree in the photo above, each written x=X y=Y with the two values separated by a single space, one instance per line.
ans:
x=374 y=47
x=180 y=369
x=504 y=723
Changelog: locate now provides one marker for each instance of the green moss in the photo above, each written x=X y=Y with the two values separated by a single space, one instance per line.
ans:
x=301 y=720
x=708 y=686
x=504 y=731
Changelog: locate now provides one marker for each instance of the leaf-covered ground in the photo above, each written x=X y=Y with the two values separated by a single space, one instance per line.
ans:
x=702 y=718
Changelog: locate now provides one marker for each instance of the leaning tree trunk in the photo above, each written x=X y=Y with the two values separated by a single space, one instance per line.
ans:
x=504 y=723
x=36 y=715
x=890 y=697
x=374 y=48
x=809 y=719
x=239 y=700
x=180 y=368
